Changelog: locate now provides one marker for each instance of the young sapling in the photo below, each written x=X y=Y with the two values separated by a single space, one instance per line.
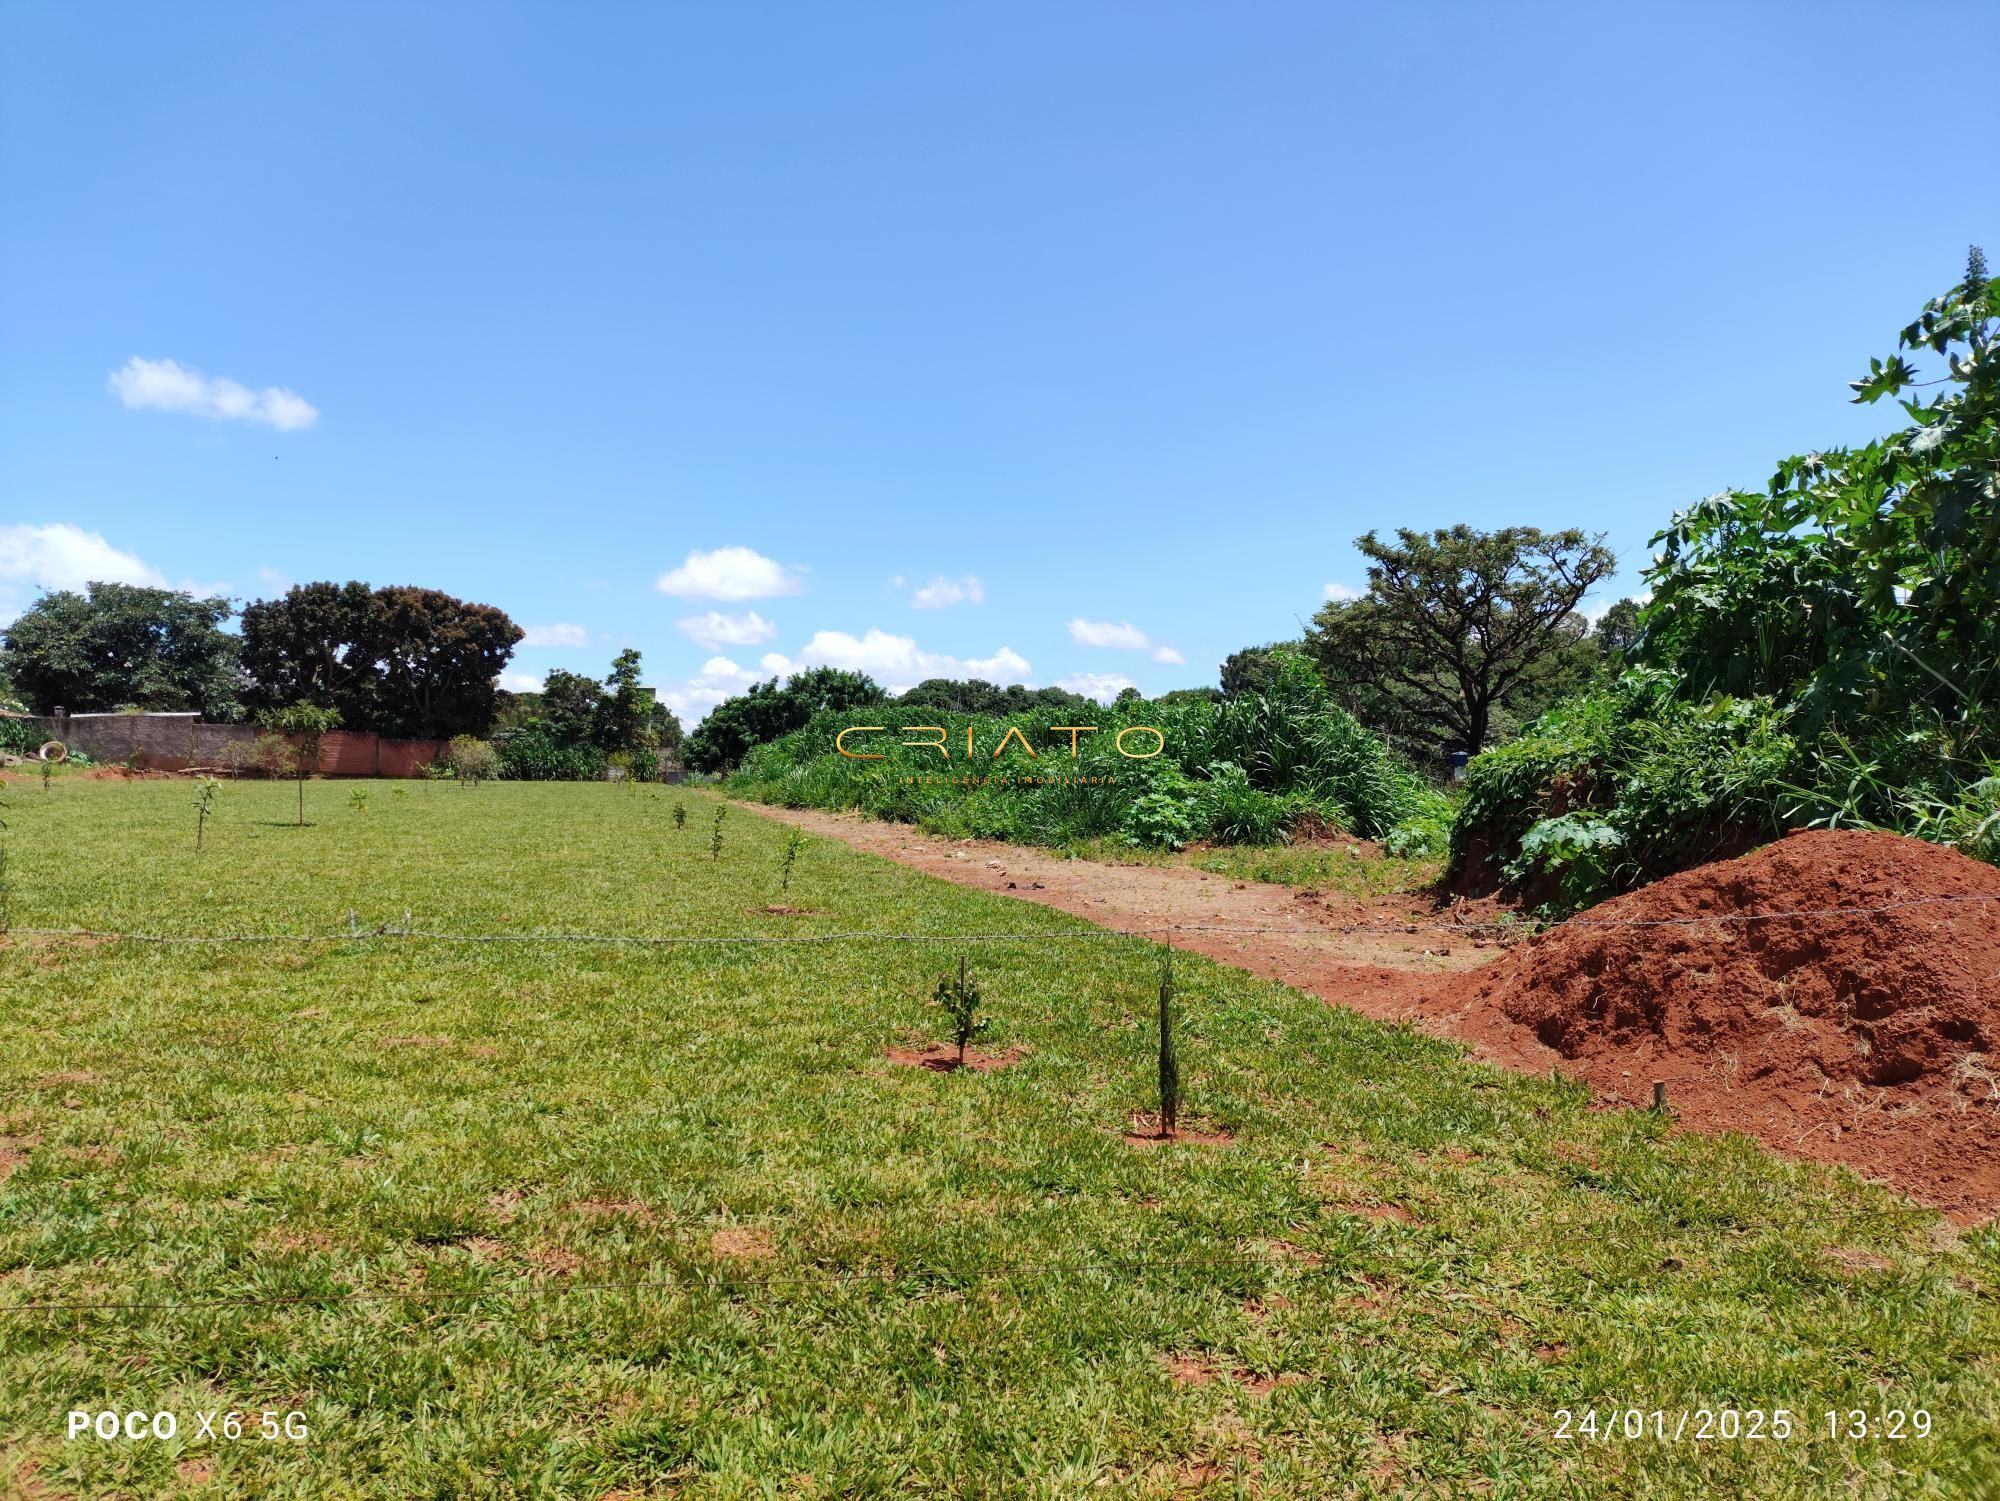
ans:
x=792 y=847
x=680 y=815
x=1170 y=1068
x=204 y=804
x=715 y=833
x=960 y=999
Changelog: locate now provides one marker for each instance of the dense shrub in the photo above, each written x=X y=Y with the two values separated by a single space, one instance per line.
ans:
x=1246 y=770
x=536 y=754
x=1668 y=781
x=1819 y=652
x=471 y=759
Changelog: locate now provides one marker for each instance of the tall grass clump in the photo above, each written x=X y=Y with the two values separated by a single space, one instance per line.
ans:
x=1256 y=769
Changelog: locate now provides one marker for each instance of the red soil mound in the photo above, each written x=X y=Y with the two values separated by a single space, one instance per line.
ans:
x=1864 y=1034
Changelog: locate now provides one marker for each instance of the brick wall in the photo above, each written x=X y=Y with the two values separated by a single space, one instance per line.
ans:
x=174 y=742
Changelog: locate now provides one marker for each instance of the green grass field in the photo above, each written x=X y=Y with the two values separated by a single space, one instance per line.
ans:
x=565 y=1219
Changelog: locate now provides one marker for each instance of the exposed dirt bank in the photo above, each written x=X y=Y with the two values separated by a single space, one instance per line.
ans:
x=1864 y=1033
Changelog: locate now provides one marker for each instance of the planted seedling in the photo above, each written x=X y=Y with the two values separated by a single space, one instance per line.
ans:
x=303 y=725
x=960 y=999
x=358 y=799
x=792 y=847
x=1170 y=1067
x=680 y=815
x=715 y=833
x=204 y=804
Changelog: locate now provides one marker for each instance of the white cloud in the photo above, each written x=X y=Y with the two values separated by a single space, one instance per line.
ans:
x=520 y=682
x=64 y=556
x=60 y=555
x=1102 y=686
x=169 y=387
x=731 y=573
x=719 y=678
x=1124 y=636
x=940 y=592
x=717 y=629
x=1169 y=656
x=556 y=635
x=898 y=663
x=273 y=581
x=1341 y=594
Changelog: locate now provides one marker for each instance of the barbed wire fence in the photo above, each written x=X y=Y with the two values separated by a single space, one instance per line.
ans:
x=406 y=930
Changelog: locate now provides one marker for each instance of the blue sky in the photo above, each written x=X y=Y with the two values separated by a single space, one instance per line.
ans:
x=1074 y=343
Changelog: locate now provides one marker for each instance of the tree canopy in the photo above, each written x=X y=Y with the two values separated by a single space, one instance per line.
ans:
x=123 y=645
x=1459 y=625
x=977 y=696
x=770 y=710
x=402 y=660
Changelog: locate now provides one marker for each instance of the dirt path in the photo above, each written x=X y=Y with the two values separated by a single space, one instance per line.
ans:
x=1391 y=976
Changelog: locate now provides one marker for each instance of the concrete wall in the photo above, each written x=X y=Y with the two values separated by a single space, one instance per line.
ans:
x=174 y=742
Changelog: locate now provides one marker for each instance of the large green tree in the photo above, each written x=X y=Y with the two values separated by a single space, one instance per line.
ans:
x=401 y=660
x=312 y=646
x=1253 y=669
x=119 y=645
x=1459 y=626
x=769 y=710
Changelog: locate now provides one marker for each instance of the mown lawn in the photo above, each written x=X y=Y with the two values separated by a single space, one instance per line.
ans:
x=560 y=1219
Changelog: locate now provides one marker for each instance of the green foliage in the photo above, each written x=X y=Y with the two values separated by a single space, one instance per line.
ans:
x=119 y=644
x=795 y=843
x=680 y=815
x=1252 y=669
x=471 y=760
x=539 y=754
x=715 y=833
x=303 y=726
x=357 y=799
x=205 y=792
x=1252 y=767
x=1863 y=583
x=407 y=662
x=971 y=696
x=770 y=710
x=1459 y=625
x=1677 y=782
x=1825 y=652
x=626 y=718
x=1169 y=1063
x=958 y=996
x=1578 y=848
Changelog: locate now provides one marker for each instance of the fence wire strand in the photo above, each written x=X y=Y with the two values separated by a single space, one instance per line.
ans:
x=406 y=931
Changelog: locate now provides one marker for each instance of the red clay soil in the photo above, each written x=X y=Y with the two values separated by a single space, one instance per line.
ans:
x=1859 y=1036
x=1866 y=1039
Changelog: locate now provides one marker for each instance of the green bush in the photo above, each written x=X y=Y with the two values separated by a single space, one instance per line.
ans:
x=535 y=754
x=1246 y=770
x=1675 y=782
x=471 y=759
